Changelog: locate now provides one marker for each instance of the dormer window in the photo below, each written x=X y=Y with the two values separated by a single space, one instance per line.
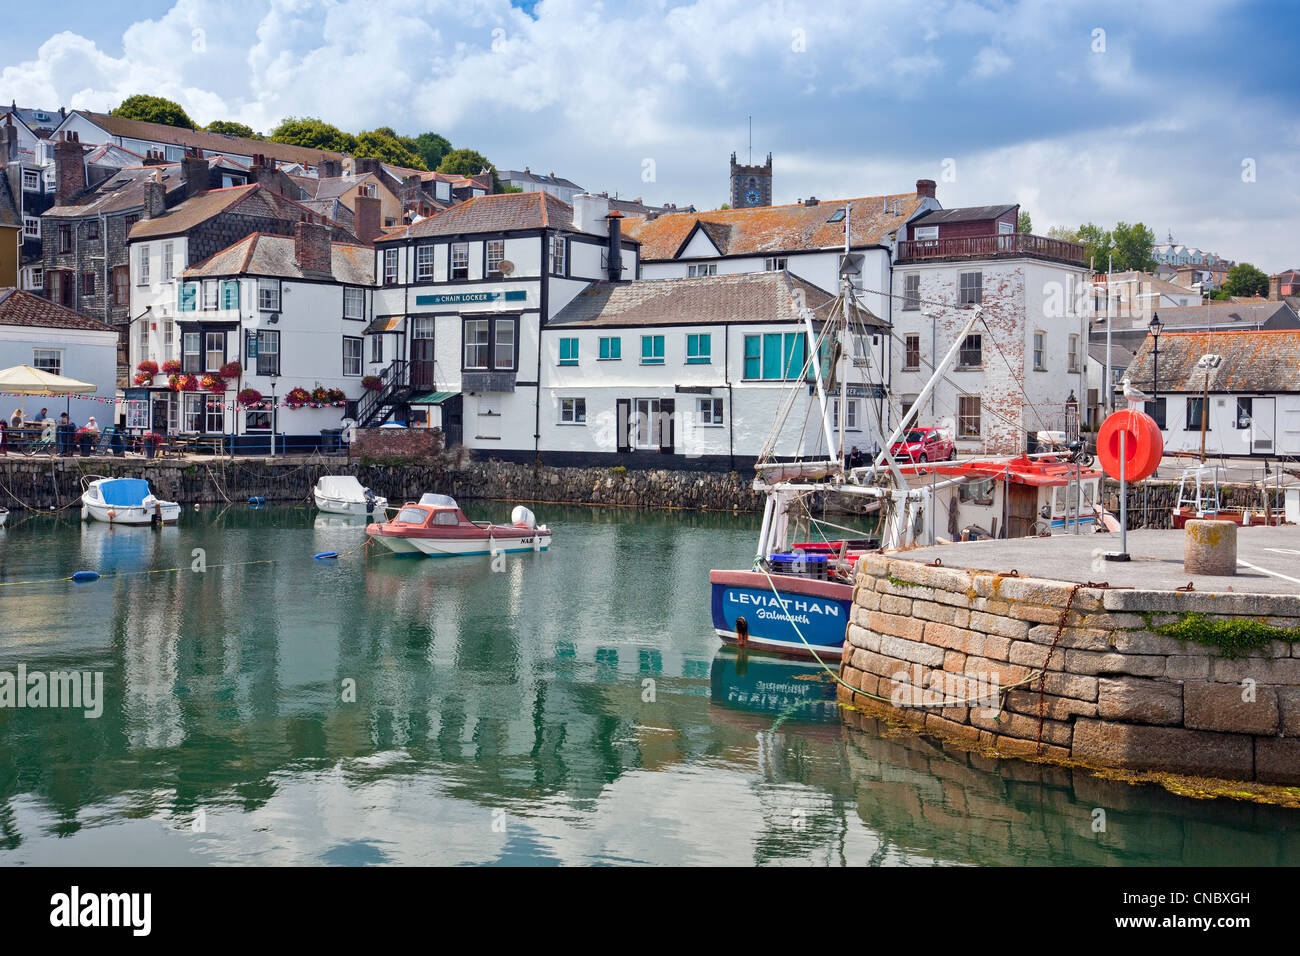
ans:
x=838 y=217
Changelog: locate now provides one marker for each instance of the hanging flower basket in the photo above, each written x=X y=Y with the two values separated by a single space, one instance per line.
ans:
x=213 y=383
x=148 y=368
x=231 y=370
x=372 y=383
x=143 y=378
x=335 y=397
x=248 y=396
x=186 y=383
x=297 y=397
x=171 y=367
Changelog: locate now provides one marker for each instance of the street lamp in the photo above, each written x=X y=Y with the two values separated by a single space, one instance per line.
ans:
x=1155 y=328
x=273 y=411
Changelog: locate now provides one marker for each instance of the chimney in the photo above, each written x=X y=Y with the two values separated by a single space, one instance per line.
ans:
x=810 y=201
x=155 y=199
x=369 y=165
x=194 y=170
x=69 y=171
x=366 y=218
x=329 y=169
x=10 y=148
x=615 y=248
x=589 y=214
x=925 y=189
x=153 y=158
x=311 y=248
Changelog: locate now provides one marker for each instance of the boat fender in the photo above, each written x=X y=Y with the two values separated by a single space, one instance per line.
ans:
x=83 y=576
x=112 y=513
x=742 y=631
x=326 y=555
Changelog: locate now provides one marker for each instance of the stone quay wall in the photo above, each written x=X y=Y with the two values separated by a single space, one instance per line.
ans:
x=44 y=484
x=1098 y=686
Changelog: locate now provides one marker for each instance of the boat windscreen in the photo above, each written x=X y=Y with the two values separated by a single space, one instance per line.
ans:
x=438 y=501
x=412 y=516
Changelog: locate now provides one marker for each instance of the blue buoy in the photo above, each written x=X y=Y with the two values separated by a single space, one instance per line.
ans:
x=326 y=555
x=81 y=576
x=257 y=500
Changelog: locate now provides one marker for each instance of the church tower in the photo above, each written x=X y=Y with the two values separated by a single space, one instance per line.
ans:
x=751 y=185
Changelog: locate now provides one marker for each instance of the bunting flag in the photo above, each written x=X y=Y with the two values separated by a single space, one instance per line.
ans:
x=263 y=405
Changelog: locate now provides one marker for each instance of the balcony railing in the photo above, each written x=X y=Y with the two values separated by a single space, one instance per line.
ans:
x=992 y=247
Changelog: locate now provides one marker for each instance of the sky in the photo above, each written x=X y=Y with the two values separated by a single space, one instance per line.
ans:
x=1176 y=113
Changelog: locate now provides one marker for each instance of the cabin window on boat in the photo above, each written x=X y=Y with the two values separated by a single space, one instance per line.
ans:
x=1089 y=494
x=352 y=354
x=971 y=354
x=912 y=352
x=970 y=288
x=214 y=348
x=711 y=412
x=912 y=291
x=412 y=515
x=191 y=359
x=976 y=492
x=573 y=411
x=445 y=517
x=268 y=295
x=968 y=416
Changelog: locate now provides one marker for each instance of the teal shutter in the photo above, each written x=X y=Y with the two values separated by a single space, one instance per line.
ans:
x=793 y=354
x=772 y=355
x=188 y=293
x=230 y=294
x=753 y=356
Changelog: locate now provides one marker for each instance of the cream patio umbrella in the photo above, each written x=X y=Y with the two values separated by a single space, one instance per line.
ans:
x=25 y=380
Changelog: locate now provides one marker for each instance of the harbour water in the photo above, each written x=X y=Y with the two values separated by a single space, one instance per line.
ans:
x=260 y=706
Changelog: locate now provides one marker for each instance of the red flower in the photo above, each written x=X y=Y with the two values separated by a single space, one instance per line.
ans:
x=147 y=368
x=171 y=367
x=231 y=370
x=248 y=396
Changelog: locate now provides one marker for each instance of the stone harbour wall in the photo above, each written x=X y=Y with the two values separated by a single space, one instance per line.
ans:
x=1098 y=685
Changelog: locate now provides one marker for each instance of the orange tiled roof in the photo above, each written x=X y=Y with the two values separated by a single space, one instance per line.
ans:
x=1253 y=361
x=770 y=230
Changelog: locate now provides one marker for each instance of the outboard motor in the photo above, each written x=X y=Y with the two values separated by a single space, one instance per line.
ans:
x=370 y=500
x=521 y=517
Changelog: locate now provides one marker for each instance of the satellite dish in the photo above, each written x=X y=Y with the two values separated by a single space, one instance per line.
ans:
x=505 y=267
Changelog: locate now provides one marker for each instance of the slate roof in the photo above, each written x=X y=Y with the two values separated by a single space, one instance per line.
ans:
x=122 y=191
x=9 y=215
x=331 y=187
x=1267 y=361
x=203 y=206
x=771 y=230
x=261 y=254
x=216 y=142
x=527 y=176
x=1264 y=312
x=503 y=212
x=739 y=298
x=937 y=217
x=22 y=308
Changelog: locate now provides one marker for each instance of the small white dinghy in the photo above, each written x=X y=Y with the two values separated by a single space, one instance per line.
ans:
x=125 y=501
x=344 y=495
x=4 y=516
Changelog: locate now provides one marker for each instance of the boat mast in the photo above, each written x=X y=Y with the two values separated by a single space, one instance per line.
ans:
x=845 y=292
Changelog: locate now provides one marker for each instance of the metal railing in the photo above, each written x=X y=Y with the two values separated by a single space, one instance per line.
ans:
x=394 y=381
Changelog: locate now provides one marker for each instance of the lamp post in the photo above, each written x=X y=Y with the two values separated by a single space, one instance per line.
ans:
x=273 y=415
x=1155 y=328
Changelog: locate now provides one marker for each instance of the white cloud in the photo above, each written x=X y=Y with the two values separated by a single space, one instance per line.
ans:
x=990 y=61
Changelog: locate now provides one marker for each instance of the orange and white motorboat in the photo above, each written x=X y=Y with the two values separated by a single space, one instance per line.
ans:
x=435 y=527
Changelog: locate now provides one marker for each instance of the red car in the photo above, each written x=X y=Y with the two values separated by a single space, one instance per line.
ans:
x=924 y=444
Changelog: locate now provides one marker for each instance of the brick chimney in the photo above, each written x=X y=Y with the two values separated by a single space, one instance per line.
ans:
x=329 y=168
x=153 y=157
x=366 y=218
x=194 y=170
x=925 y=189
x=311 y=248
x=69 y=171
x=155 y=199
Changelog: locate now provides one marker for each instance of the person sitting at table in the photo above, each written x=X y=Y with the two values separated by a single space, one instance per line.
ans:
x=41 y=416
x=67 y=431
x=16 y=419
x=92 y=425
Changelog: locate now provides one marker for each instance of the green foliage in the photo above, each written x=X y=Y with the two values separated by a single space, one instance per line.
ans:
x=153 y=109
x=231 y=128
x=1133 y=246
x=1245 y=280
x=1097 y=245
x=1231 y=636
x=432 y=148
x=618 y=470
x=1024 y=223
x=466 y=162
x=1064 y=233
x=383 y=144
x=314 y=134
x=506 y=188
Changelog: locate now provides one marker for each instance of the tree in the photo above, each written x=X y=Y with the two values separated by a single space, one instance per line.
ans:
x=1024 y=223
x=1245 y=280
x=432 y=148
x=314 y=134
x=1133 y=245
x=386 y=145
x=1064 y=233
x=231 y=128
x=1097 y=245
x=465 y=162
x=153 y=109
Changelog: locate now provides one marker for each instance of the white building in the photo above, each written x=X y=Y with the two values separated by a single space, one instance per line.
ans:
x=525 y=180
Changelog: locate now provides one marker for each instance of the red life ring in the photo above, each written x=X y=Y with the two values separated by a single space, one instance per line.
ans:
x=1144 y=446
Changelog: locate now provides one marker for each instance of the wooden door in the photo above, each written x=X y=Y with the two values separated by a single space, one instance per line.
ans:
x=1022 y=509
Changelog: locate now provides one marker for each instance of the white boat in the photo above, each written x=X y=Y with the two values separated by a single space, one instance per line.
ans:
x=4 y=516
x=125 y=501
x=437 y=528
x=344 y=495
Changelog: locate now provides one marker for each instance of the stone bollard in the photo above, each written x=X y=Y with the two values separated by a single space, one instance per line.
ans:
x=1210 y=547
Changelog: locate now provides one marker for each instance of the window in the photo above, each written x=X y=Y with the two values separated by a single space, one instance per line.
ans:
x=476 y=343
x=652 y=350
x=31 y=181
x=968 y=416
x=1074 y=352
x=647 y=422
x=711 y=412
x=496 y=252
x=214 y=413
x=568 y=351
x=31 y=227
x=137 y=415
x=143 y=340
x=1245 y=413
x=861 y=355
x=925 y=233
x=697 y=349
x=970 y=288
x=774 y=356
x=912 y=292
x=424 y=263
x=376 y=349
x=169 y=337
x=352 y=354
x=1195 y=413
x=850 y=417
x=390 y=266
x=703 y=269
x=88 y=283
x=912 y=352
x=268 y=295
x=354 y=302
x=557 y=255
x=775 y=264
x=459 y=260
x=38 y=277
x=1156 y=409
x=573 y=411
x=611 y=349
x=267 y=344
x=504 y=334
x=192 y=412
x=48 y=360
x=971 y=354
x=211 y=295
x=168 y=262
x=65 y=239
x=230 y=294
x=368 y=190
x=92 y=230
x=187 y=295
x=1040 y=351
x=214 y=349
x=1005 y=228
x=980 y=492
x=142 y=266
x=121 y=285
x=191 y=360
